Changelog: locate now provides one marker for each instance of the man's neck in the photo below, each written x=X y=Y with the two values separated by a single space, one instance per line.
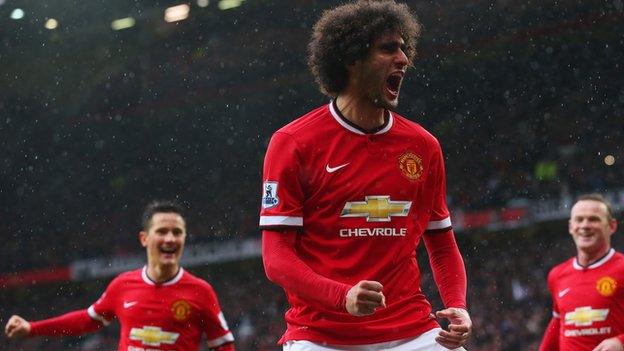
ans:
x=360 y=111
x=160 y=274
x=588 y=258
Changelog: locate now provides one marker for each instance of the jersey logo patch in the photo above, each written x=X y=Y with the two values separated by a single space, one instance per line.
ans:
x=585 y=316
x=269 y=199
x=606 y=286
x=376 y=208
x=128 y=304
x=563 y=292
x=334 y=169
x=181 y=310
x=411 y=166
x=153 y=336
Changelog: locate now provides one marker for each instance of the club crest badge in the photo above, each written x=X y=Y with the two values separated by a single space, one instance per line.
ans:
x=411 y=166
x=606 y=286
x=180 y=310
x=269 y=197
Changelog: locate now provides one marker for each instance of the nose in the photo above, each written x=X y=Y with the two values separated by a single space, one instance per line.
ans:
x=169 y=237
x=584 y=223
x=401 y=58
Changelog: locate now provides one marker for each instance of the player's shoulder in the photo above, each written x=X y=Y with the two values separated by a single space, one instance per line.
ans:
x=565 y=266
x=404 y=125
x=192 y=279
x=618 y=256
x=127 y=276
x=308 y=123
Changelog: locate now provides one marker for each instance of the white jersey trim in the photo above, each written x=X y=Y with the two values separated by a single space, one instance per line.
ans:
x=357 y=131
x=91 y=312
x=221 y=340
x=442 y=224
x=281 y=220
x=172 y=281
x=555 y=314
x=596 y=264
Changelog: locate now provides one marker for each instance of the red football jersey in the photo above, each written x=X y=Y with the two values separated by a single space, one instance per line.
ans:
x=363 y=202
x=588 y=301
x=162 y=317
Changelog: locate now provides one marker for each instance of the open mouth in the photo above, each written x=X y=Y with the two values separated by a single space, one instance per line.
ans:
x=393 y=83
x=168 y=250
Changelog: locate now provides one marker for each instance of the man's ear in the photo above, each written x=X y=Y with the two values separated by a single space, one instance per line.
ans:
x=613 y=225
x=143 y=238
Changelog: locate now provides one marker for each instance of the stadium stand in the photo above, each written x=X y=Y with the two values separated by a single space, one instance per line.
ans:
x=526 y=98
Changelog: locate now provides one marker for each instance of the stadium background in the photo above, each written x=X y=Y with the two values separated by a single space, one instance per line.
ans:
x=526 y=97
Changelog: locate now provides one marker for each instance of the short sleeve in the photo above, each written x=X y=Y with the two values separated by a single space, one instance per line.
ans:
x=103 y=309
x=551 y=281
x=282 y=192
x=215 y=325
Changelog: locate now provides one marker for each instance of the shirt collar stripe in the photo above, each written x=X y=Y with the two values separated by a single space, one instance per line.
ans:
x=596 y=264
x=171 y=281
x=344 y=122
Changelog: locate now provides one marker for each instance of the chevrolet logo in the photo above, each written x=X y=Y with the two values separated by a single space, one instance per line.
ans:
x=584 y=316
x=153 y=336
x=376 y=208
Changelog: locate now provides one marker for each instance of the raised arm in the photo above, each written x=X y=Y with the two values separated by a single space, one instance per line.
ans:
x=72 y=323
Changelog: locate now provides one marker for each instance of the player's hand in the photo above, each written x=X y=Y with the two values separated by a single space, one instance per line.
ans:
x=460 y=328
x=611 y=344
x=17 y=327
x=365 y=297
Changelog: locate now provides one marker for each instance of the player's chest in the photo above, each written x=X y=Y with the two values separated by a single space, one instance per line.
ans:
x=143 y=306
x=583 y=294
x=369 y=165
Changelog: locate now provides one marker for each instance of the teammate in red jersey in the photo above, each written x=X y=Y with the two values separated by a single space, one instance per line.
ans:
x=588 y=290
x=159 y=307
x=349 y=191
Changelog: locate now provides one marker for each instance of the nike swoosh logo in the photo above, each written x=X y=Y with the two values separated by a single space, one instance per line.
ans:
x=129 y=304
x=334 y=169
x=563 y=292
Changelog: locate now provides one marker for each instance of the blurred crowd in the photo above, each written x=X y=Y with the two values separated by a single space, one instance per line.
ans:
x=526 y=99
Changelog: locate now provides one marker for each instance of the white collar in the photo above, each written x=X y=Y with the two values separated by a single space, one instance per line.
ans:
x=171 y=281
x=596 y=264
x=343 y=121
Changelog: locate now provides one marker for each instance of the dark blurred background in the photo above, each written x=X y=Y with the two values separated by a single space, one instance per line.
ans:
x=526 y=98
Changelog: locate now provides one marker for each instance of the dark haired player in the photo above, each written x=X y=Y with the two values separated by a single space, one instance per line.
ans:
x=349 y=191
x=159 y=307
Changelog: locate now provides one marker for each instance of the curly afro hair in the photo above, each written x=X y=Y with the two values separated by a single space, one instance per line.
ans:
x=344 y=35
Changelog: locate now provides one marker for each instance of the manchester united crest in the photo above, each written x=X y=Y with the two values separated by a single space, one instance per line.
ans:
x=180 y=310
x=606 y=286
x=411 y=165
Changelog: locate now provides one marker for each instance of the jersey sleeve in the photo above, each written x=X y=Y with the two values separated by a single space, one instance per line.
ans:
x=282 y=192
x=551 y=281
x=72 y=323
x=214 y=323
x=103 y=309
x=440 y=219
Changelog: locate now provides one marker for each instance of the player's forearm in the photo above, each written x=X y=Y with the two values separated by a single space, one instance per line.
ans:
x=448 y=269
x=72 y=323
x=285 y=268
x=550 y=341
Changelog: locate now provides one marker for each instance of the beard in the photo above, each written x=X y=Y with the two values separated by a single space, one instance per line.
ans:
x=375 y=88
x=385 y=103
